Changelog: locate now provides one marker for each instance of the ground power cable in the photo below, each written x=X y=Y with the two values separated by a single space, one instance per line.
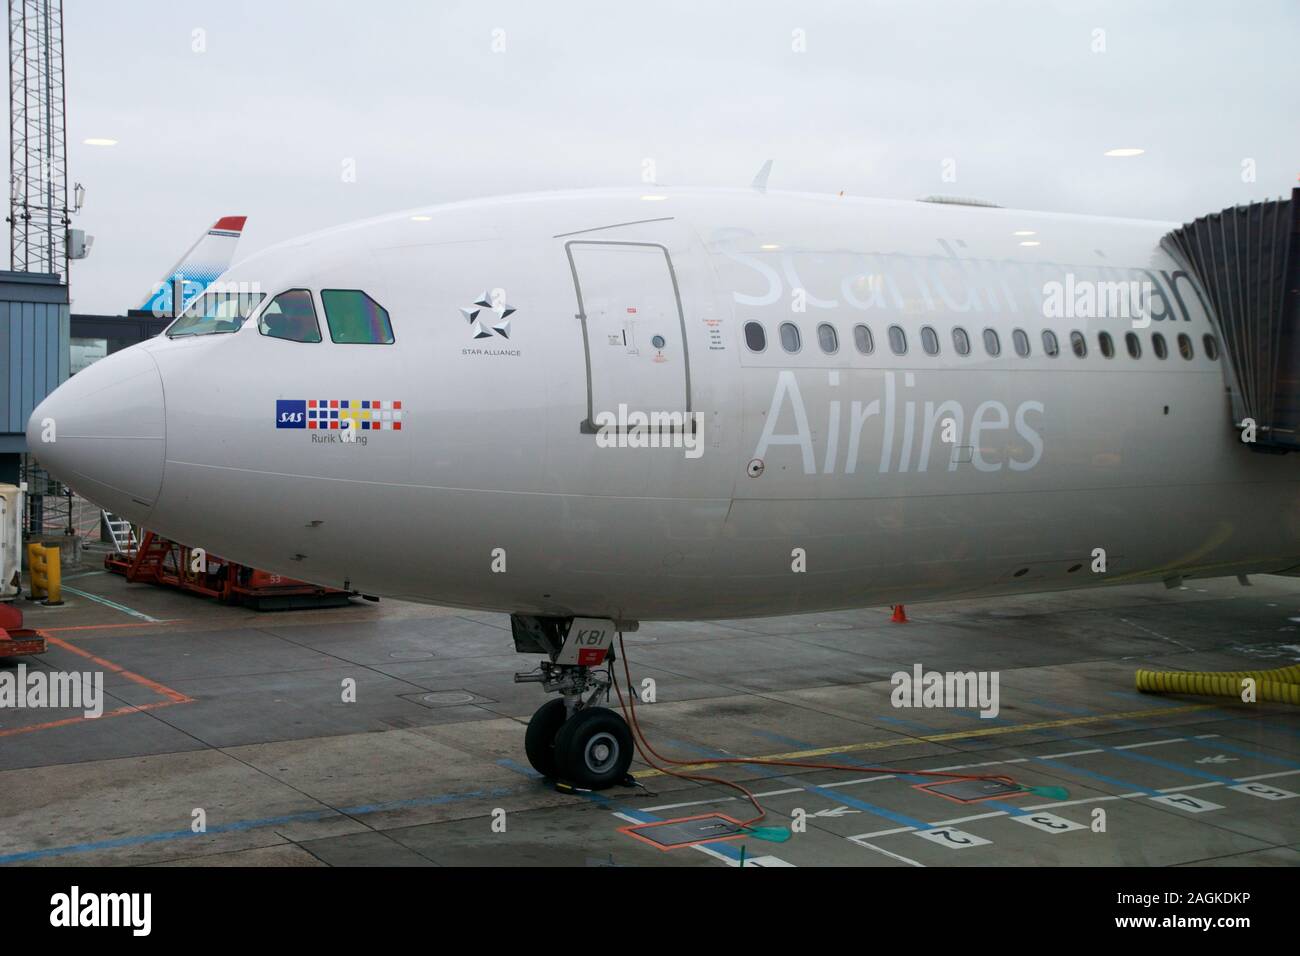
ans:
x=779 y=834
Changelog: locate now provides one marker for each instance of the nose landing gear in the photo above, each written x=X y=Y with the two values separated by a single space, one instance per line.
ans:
x=571 y=740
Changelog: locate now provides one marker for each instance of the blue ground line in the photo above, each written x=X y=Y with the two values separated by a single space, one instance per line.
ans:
x=1008 y=808
x=910 y=724
x=242 y=825
x=1114 y=781
x=710 y=754
x=1150 y=698
x=1230 y=717
x=1090 y=744
x=166 y=835
x=1062 y=709
x=785 y=741
x=830 y=793
x=1280 y=729
x=1233 y=749
x=519 y=768
x=805 y=745
x=113 y=604
x=1207 y=744
x=1168 y=765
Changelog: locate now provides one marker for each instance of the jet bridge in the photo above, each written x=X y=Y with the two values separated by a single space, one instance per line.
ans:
x=1247 y=261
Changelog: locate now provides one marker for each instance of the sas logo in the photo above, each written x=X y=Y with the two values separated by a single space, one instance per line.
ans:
x=290 y=413
x=340 y=414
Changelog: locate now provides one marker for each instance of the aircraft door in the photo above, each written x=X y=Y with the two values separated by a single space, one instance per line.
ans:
x=634 y=332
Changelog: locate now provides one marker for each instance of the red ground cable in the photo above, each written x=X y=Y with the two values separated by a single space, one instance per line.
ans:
x=639 y=739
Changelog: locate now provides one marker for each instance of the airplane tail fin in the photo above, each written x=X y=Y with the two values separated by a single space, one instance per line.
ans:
x=208 y=258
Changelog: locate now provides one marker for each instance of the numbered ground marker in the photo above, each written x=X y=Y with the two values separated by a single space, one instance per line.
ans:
x=952 y=838
x=1183 y=802
x=1048 y=822
x=1264 y=790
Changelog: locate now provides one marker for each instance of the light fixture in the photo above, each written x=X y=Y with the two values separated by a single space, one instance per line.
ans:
x=1024 y=232
x=421 y=218
x=769 y=246
x=653 y=198
x=1125 y=151
x=99 y=141
x=1030 y=242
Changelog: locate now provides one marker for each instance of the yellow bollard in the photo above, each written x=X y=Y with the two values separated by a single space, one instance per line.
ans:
x=46 y=574
x=53 y=576
x=36 y=568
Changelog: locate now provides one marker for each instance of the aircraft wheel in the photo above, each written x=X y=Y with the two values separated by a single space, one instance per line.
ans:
x=594 y=749
x=539 y=740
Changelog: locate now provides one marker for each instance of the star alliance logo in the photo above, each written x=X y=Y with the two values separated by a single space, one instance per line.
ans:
x=497 y=318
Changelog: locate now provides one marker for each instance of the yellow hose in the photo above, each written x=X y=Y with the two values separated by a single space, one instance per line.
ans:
x=1281 y=686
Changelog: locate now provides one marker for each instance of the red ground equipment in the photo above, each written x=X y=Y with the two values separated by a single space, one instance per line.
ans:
x=159 y=561
x=16 y=640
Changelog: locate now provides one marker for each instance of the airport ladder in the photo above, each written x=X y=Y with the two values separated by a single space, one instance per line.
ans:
x=123 y=533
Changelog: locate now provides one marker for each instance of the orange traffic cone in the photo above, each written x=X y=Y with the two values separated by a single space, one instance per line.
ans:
x=900 y=615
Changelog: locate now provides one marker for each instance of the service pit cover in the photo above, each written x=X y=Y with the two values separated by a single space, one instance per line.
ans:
x=686 y=831
x=972 y=791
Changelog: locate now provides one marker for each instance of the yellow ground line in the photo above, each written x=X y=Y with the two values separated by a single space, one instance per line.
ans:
x=953 y=735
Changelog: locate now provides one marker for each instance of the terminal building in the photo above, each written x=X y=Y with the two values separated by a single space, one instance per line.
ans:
x=35 y=353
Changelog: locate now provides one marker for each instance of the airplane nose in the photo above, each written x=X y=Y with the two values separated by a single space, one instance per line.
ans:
x=103 y=432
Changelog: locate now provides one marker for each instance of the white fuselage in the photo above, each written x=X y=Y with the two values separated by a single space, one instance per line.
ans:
x=821 y=479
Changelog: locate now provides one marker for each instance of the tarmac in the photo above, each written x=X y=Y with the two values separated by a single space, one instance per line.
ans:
x=228 y=736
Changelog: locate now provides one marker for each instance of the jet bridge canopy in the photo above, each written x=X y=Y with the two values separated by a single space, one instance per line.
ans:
x=1247 y=259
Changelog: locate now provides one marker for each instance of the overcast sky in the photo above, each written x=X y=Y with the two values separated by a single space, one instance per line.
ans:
x=283 y=92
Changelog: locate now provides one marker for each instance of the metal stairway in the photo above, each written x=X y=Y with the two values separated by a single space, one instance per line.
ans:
x=122 y=532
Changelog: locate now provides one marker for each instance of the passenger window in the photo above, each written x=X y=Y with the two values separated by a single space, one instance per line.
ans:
x=356 y=319
x=1211 y=347
x=290 y=316
x=863 y=340
x=992 y=344
x=1021 y=341
x=897 y=340
x=828 y=338
x=1106 y=344
x=1051 y=348
x=1159 y=345
x=1133 y=344
x=755 y=337
x=929 y=340
x=1185 y=346
x=790 y=340
x=1079 y=344
x=961 y=341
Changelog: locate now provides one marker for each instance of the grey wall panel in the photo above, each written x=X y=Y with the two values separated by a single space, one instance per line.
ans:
x=34 y=359
x=4 y=367
x=15 y=364
x=29 y=347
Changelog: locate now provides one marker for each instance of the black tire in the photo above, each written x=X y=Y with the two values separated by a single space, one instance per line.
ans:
x=539 y=740
x=594 y=749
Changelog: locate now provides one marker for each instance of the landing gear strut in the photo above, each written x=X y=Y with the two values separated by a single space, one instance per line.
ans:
x=571 y=740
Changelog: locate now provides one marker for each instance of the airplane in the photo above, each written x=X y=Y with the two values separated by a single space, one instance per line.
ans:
x=201 y=264
x=594 y=408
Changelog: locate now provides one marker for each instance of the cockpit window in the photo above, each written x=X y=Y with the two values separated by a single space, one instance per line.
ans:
x=217 y=310
x=290 y=316
x=354 y=317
